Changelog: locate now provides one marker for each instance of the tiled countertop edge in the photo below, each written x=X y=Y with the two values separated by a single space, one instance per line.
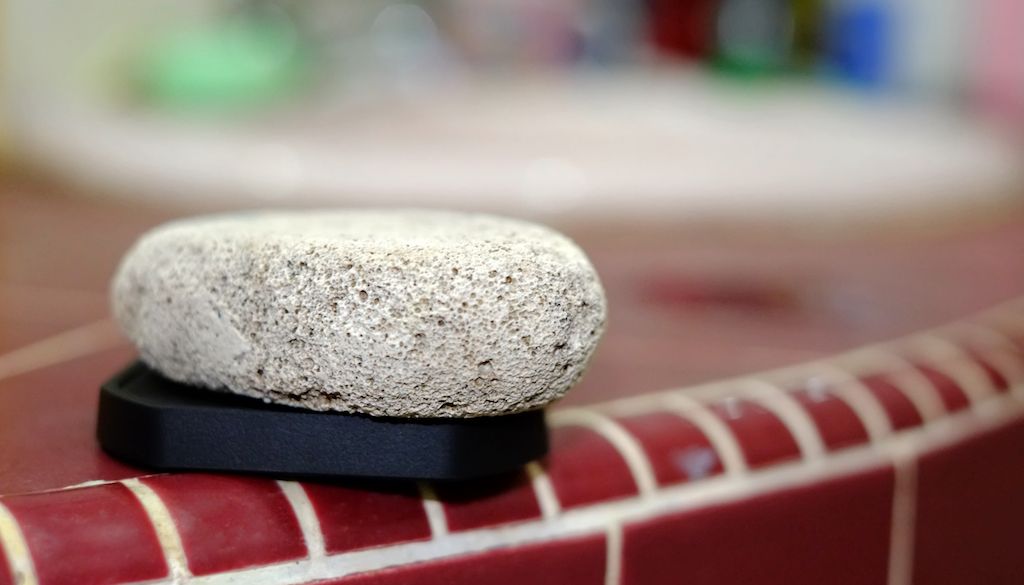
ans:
x=953 y=350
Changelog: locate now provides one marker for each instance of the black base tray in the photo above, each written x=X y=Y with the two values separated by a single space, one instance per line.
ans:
x=148 y=420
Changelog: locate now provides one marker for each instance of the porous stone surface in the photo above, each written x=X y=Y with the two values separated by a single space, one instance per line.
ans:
x=387 y=313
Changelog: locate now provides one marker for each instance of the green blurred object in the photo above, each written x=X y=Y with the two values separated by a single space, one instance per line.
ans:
x=236 y=64
x=753 y=38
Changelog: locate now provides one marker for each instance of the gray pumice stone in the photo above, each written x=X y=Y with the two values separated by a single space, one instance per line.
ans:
x=387 y=313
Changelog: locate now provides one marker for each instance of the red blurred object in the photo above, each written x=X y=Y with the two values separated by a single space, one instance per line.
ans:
x=683 y=28
x=698 y=293
x=999 y=60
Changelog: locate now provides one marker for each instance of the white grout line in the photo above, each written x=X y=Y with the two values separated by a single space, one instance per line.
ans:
x=1015 y=322
x=633 y=405
x=84 y=484
x=306 y=515
x=921 y=392
x=793 y=416
x=594 y=520
x=1002 y=352
x=655 y=401
x=946 y=357
x=848 y=388
x=163 y=524
x=985 y=334
x=904 y=509
x=613 y=555
x=716 y=431
x=434 y=510
x=60 y=348
x=623 y=442
x=1009 y=314
x=1008 y=364
x=15 y=547
x=911 y=381
x=547 y=499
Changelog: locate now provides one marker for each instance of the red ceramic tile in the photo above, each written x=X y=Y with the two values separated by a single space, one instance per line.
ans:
x=995 y=378
x=1017 y=339
x=89 y=536
x=16 y=335
x=677 y=449
x=372 y=515
x=230 y=522
x=487 y=502
x=584 y=468
x=39 y=312
x=764 y=438
x=579 y=561
x=66 y=242
x=6 y=572
x=953 y=397
x=901 y=411
x=835 y=532
x=1009 y=354
x=837 y=423
x=970 y=511
x=48 y=425
x=981 y=354
x=750 y=295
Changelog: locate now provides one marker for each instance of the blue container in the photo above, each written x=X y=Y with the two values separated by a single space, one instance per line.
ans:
x=859 y=42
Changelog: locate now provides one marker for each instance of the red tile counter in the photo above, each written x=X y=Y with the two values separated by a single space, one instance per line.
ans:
x=895 y=462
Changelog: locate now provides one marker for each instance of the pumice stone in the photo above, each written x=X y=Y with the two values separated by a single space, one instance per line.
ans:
x=385 y=313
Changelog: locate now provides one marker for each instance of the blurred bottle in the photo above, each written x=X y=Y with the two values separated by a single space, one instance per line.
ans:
x=498 y=34
x=808 y=33
x=683 y=28
x=408 y=52
x=930 y=45
x=998 y=60
x=859 y=41
x=753 y=37
x=609 y=31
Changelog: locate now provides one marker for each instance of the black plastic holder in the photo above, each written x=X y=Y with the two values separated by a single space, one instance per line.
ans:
x=148 y=420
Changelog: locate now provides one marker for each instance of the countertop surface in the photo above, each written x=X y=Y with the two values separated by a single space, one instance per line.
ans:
x=686 y=305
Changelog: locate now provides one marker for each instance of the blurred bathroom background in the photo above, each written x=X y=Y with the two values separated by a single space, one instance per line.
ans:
x=806 y=109
x=758 y=182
